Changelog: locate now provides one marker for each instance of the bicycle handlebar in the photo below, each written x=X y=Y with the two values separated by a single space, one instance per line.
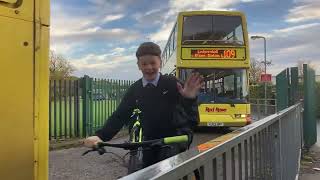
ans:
x=136 y=145
x=175 y=139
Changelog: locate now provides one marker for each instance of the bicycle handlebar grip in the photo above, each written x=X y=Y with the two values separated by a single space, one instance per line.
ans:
x=175 y=139
x=101 y=151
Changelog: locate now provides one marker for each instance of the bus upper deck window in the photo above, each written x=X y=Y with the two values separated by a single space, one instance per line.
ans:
x=213 y=29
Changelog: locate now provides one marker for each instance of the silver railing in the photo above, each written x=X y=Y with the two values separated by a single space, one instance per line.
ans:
x=261 y=108
x=267 y=149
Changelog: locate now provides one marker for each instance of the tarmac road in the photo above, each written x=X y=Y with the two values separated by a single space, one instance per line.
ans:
x=68 y=164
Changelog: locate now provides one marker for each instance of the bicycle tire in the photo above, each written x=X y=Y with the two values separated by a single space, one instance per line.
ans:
x=135 y=161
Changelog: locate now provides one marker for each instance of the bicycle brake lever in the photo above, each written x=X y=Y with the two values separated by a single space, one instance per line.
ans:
x=156 y=144
x=101 y=150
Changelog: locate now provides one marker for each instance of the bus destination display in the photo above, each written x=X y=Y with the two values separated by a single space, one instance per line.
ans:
x=214 y=53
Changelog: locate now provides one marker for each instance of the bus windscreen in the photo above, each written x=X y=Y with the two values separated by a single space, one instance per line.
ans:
x=212 y=30
x=221 y=86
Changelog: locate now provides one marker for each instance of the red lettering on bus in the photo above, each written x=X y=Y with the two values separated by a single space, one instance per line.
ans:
x=209 y=109
x=221 y=110
x=215 y=109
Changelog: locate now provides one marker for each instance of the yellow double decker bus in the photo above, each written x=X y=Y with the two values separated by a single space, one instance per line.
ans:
x=215 y=44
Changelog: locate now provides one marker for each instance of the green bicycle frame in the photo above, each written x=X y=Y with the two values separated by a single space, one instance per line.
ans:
x=136 y=126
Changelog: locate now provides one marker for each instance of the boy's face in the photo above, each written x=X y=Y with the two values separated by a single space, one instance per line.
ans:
x=149 y=65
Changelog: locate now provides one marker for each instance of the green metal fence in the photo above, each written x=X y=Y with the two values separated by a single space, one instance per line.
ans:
x=79 y=107
x=309 y=114
x=287 y=88
x=290 y=91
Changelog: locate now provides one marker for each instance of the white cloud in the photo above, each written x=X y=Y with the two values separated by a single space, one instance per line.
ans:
x=97 y=33
x=102 y=61
x=150 y=18
x=249 y=0
x=187 y=5
x=118 y=50
x=117 y=63
x=176 y=6
x=62 y=48
x=110 y=18
x=111 y=65
x=163 y=34
x=305 y=10
x=285 y=47
x=79 y=31
x=111 y=7
x=62 y=23
x=305 y=1
x=293 y=29
x=69 y=31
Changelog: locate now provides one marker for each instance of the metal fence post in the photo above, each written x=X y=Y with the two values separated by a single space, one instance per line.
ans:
x=276 y=170
x=282 y=90
x=294 y=85
x=309 y=120
x=86 y=94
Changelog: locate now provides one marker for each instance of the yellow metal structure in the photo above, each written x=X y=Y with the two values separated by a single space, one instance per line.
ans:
x=24 y=46
x=178 y=56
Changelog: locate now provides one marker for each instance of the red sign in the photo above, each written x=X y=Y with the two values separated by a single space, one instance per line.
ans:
x=265 y=78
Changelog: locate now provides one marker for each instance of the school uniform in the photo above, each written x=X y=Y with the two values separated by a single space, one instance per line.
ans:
x=164 y=113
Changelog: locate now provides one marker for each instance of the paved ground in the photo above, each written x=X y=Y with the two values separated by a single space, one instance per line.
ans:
x=68 y=164
x=311 y=160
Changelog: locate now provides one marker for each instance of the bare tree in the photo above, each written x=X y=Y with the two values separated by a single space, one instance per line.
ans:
x=256 y=70
x=60 y=67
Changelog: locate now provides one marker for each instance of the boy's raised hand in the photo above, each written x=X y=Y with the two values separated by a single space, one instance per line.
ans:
x=191 y=86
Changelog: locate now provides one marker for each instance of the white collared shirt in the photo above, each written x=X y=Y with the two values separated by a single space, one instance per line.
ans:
x=154 y=82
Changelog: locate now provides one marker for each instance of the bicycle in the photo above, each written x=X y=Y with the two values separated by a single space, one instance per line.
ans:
x=135 y=135
x=136 y=145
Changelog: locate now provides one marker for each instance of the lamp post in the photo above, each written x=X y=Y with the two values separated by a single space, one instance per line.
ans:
x=265 y=69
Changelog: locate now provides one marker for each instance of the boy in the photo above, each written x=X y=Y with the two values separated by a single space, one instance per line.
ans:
x=168 y=109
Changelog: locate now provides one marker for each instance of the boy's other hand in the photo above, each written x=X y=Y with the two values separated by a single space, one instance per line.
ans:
x=91 y=141
x=191 y=86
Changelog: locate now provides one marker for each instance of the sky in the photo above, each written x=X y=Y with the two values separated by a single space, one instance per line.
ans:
x=100 y=37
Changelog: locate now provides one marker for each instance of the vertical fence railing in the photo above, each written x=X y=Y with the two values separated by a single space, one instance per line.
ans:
x=106 y=96
x=64 y=109
x=50 y=107
x=309 y=123
x=287 y=88
x=290 y=91
x=79 y=107
x=258 y=108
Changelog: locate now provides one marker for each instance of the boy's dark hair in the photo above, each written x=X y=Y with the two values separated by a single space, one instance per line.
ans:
x=148 y=48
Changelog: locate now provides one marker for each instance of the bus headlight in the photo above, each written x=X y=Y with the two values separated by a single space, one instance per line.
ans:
x=240 y=116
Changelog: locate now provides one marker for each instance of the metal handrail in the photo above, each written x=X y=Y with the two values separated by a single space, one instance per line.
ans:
x=266 y=149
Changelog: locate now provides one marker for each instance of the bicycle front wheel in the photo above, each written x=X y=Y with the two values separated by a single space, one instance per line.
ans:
x=135 y=161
